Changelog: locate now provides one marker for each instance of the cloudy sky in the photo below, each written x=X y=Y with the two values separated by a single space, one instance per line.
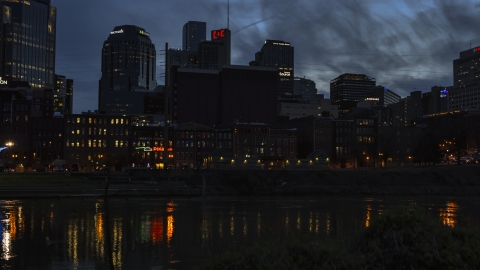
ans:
x=405 y=45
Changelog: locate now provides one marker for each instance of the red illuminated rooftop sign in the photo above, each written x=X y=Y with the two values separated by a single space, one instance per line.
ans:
x=477 y=49
x=217 y=34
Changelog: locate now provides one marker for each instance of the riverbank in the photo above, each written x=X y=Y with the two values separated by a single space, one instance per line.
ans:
x=433 y=180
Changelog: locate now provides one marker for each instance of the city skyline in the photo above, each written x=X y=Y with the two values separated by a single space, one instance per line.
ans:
x=404 y=46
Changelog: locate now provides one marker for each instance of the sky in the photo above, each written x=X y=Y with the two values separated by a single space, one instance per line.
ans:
x=405 y=45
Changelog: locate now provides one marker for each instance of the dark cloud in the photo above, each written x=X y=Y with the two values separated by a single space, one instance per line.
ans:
x=403 y=44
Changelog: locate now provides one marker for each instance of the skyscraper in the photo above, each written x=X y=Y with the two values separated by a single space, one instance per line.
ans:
x=217 y=52
x=278 y=54
x=27 y=41
x=382 y=95
x=348 y=89
x=193 y=33
x=466 y=81
x=128 y=68
x=466 y=68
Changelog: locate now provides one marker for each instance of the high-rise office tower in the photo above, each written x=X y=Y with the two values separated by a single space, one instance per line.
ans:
x=193 y=33
x=128 y=68
x=217 y=52
x=27 y=41
x=466 y=69
x=348 y=89
x=382 y=95
x=278 y=54
x=466 y=81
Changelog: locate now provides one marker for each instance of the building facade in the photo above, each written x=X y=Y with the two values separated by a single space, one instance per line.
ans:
x=348 y=89
x=466 y=69
x=128 y=69
x=221 y=97
x=93 y=141
x=63 y=95
x=382 y=96
x=27 y=42
x=278 y=54
x=193 y=33
x=305 y=88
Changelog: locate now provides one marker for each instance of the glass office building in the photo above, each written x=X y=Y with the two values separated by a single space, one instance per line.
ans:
x=27 y=42
x=128 y=66
x=193 y=33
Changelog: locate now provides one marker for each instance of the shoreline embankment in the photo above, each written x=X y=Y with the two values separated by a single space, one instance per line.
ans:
x=430 y=180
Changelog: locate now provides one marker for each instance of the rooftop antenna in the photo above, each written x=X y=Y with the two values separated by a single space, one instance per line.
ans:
x=228 y=14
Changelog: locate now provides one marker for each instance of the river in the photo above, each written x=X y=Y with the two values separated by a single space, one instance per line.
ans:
x=182 y=233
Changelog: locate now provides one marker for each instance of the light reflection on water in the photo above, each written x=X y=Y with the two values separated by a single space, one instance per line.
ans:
x=448 y=213
x=182 y=233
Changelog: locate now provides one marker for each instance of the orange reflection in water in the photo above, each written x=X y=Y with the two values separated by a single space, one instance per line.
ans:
x=171 y=207
x=170 y=227
x=99 y=226
x=13 y=226
x=367 y=220
x=448 y=214
x=157 y=230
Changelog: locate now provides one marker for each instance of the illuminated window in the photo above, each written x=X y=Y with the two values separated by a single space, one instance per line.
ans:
x=89 y=143
x=116 y=143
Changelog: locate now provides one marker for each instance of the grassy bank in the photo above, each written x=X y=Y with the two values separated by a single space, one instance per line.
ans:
x=44 y=179
x=404 y=238
x=433 y=180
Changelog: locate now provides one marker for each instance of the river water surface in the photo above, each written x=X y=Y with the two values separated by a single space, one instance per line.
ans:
x=183 y=233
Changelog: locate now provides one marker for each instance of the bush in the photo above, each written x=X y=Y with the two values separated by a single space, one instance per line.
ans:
x=403 y=238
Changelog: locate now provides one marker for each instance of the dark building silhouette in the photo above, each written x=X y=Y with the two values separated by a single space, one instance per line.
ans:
x=63 y=95
x=278 y=54
x=193 y=33
x=14 y=127
x=348 y=89
x=128 y=69
x=219 y=97
x=435 y=101
x=304 y=88
x=382 y=95
x=27 y=42
x=217 y=52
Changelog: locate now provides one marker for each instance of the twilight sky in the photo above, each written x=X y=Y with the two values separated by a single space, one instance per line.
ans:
x=405 y=45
